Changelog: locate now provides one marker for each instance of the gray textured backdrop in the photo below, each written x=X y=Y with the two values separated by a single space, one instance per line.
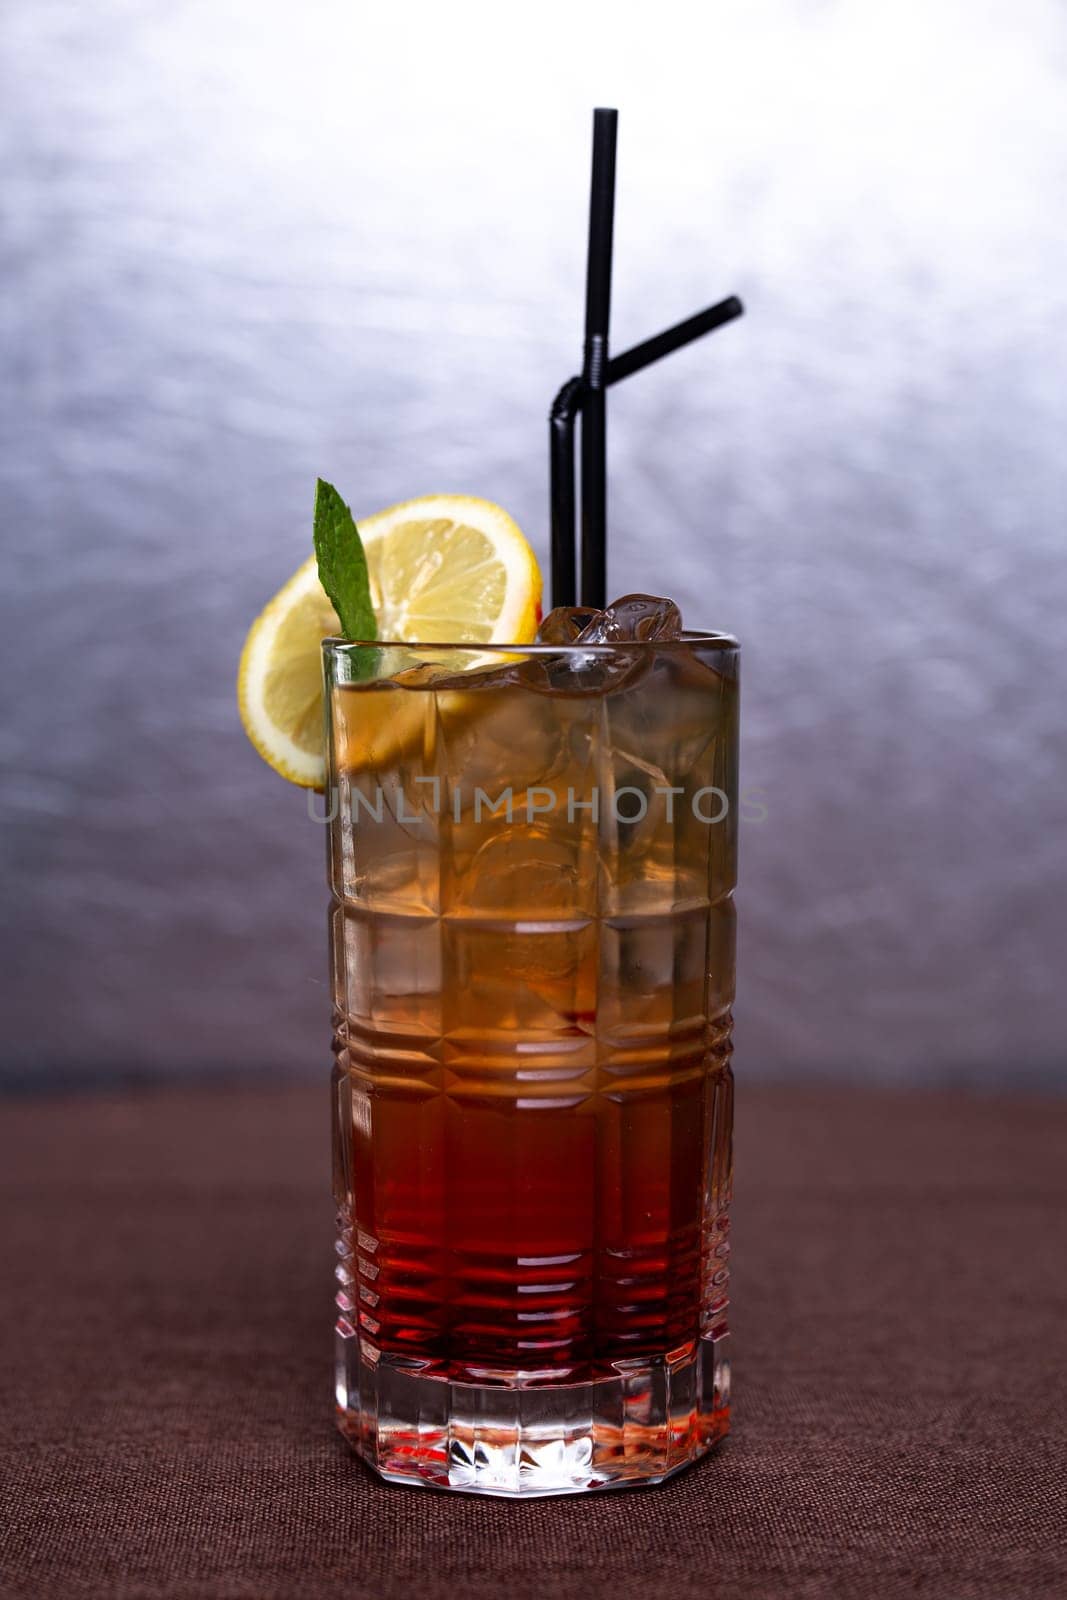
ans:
x=247 y=243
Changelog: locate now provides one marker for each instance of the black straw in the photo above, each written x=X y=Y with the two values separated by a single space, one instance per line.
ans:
x=586 y=395
x=665 y=344
x=565 y=409
x=594 y=369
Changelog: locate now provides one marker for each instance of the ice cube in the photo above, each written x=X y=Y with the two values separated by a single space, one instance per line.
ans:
x=565 y=624
x=468 y=670
x=636 y=618
x=640 y=617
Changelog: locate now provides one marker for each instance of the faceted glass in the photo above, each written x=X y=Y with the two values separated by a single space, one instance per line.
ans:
x=532 y=864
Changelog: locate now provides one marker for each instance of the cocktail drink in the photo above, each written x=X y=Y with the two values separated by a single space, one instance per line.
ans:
x=532 y=860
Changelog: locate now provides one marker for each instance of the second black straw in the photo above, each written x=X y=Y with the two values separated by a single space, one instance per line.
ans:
x=595 y=361
x=584 y=396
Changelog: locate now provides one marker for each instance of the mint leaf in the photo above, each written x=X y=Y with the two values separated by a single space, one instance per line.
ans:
x=342 y=564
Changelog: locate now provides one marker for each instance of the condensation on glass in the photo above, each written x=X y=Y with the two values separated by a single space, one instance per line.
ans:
x=532 y=865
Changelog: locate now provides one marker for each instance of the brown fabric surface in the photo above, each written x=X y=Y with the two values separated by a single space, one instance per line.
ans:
x=899 y=1428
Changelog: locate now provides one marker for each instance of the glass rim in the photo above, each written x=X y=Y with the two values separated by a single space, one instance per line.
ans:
x=711 y=639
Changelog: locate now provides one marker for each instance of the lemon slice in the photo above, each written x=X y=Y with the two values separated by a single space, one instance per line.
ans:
x=448 y=568
x=445 y=568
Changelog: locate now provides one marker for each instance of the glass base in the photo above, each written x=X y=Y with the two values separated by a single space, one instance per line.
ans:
x=651 y=1420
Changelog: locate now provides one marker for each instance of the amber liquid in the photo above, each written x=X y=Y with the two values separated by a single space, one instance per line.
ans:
x=532 y=1090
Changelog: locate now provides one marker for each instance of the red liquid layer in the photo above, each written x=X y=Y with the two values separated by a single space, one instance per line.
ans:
x=489 y=1236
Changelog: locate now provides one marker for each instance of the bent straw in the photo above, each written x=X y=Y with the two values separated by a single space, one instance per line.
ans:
x=565 y=408
x=567 y=405
x=683 y=333
x=597 y=316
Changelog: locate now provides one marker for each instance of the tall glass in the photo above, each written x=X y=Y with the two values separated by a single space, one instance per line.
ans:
x=532 y=863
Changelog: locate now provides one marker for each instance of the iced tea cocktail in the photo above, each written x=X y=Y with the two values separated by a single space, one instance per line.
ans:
x=532 y=862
